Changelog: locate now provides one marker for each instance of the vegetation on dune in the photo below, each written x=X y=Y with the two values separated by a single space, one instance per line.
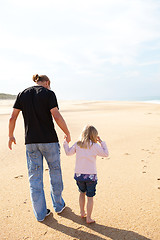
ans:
x=7 y=96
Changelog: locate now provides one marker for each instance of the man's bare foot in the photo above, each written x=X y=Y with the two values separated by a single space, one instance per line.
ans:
x=90 y=220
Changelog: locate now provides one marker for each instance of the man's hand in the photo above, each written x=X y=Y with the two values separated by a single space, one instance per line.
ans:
x=67 y=138
x=11 y=140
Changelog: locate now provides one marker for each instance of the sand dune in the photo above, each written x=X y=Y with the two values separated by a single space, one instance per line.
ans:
x=127 y=203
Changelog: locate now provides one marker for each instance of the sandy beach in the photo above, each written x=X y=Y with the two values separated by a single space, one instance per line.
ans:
x=127 y=202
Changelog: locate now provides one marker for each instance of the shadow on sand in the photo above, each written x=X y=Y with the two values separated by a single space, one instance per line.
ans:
x=112 y=233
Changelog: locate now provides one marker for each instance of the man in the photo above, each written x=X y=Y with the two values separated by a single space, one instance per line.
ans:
x=38 y=104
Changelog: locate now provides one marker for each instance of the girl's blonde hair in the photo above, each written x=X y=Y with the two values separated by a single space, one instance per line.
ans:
x=88 y=136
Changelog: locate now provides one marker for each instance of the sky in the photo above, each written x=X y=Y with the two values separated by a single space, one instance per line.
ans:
x=90 y=50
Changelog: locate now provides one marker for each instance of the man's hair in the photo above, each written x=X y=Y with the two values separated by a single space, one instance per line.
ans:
x=42 y=78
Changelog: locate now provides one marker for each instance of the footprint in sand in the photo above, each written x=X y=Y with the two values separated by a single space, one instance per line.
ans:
x=144 y=168
x=126 y=154
x=147 y=150
x=144 y=161
x=158 y=179
x=151 y=152
x=19 y=176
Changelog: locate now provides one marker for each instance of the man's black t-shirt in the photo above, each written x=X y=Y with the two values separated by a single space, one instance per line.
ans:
x=35 y=103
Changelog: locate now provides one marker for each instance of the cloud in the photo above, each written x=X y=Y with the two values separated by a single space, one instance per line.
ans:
x=131 y=74
x=100 y=41
x=149 y=63
x=116 y=27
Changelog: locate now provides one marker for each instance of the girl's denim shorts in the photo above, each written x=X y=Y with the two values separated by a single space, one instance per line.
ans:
x=87 y=186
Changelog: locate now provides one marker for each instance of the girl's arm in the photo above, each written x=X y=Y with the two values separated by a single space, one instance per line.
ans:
x=69 y=150
x=101 y=150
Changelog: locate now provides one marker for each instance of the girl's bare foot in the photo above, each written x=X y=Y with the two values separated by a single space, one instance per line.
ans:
x=83 y=215
x=89 y=220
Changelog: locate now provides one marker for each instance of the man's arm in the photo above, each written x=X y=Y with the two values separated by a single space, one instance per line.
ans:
x=61 y=122
x=12 y=123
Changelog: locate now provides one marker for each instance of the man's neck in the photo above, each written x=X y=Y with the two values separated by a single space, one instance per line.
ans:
x=43 y=84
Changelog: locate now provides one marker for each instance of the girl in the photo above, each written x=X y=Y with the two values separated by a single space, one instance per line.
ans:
x=85 y=168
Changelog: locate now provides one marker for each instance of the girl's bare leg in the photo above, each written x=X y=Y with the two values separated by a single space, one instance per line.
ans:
x=89 y=210
x=82 y=204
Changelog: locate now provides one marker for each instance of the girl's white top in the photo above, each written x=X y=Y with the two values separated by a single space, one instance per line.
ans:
x=86 y=158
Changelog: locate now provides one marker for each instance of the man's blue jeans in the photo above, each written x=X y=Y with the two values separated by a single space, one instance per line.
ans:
x=35 y=154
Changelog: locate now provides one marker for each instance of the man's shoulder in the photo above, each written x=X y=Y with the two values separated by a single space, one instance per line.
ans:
x=27 y=90
x=37 y=90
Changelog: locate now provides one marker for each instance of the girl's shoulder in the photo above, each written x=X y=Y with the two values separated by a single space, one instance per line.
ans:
x=94 y=144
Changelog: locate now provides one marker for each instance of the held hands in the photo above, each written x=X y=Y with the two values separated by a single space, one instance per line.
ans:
x=99 y=140
x=67 y=138
x=10 y=141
